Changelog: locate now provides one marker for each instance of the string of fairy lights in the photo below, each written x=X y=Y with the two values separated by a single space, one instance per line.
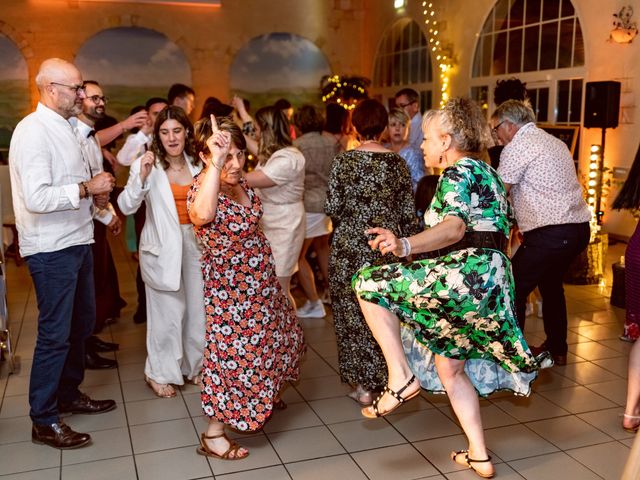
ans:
x=347 y=91
x=442 y=55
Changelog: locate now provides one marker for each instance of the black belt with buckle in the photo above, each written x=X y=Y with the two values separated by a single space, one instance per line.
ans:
x=474 y=239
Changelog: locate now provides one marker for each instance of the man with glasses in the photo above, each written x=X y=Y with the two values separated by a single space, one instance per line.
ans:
x=409 y=100
x=538 y=171
x=54 y=190
x=105 y=276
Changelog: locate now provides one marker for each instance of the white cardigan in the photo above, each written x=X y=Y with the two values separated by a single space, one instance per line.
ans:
x=160 y=249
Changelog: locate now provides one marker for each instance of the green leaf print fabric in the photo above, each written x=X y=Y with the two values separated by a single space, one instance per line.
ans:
x=460 y=305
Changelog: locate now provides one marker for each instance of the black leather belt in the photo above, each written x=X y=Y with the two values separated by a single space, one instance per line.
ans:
x=473 y=239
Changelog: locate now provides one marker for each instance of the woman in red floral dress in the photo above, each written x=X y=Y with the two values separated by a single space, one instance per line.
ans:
x=254 y=340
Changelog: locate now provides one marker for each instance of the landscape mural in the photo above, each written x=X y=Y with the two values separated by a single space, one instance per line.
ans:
x=279 y=65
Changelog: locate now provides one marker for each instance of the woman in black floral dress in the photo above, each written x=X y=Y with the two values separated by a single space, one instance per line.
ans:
x=253 y=339
x=368 y=187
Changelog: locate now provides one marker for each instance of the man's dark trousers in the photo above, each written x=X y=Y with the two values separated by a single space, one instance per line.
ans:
x=541 y=261
x=65 y=293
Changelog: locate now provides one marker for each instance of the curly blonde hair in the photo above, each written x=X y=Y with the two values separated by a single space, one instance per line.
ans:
x=462 y=119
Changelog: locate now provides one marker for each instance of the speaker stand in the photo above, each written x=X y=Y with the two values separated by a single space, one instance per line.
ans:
x=599 y=212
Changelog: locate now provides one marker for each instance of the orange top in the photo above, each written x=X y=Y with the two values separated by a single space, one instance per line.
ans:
x=180 y=197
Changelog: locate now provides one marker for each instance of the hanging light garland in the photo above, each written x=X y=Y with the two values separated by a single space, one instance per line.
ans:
x=442 y=54
x=345 y=91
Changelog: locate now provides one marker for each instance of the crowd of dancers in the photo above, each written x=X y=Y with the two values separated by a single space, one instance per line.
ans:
x=410 y=224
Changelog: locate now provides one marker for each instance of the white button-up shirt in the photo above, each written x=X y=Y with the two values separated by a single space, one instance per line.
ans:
x=134 y=147
x=93 y=154
x=545 y=188
x=46 y=166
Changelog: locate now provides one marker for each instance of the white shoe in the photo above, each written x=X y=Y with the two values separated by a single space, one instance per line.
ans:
x=312 y=310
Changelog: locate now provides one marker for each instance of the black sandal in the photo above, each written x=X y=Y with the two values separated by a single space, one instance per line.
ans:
x=469 y=461
x=397 y=395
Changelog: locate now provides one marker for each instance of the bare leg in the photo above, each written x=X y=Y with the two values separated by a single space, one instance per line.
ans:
x=305 y=273
x=632 y=408
x=321 y=244
x=466 y=406
x=285 y=283
x=221 y=444
x=385 y=328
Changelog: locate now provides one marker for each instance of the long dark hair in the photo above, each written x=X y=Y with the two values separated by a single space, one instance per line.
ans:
x=629 y=196
x=173 y=113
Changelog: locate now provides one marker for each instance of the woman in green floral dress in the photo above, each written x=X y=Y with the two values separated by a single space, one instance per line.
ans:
x=458 y=333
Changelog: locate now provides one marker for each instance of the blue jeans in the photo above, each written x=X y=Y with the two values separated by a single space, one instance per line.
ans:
x=541 y=261
x=65 y=292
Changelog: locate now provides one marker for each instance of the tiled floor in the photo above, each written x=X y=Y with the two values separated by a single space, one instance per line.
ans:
x=568 y=428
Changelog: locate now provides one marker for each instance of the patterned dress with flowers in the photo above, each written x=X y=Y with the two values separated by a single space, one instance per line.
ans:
x=253 y=339
x=459 y=305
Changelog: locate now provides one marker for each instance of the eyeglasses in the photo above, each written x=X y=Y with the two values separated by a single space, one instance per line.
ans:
x=77 y=89
x=495 y=129
x=404 y=105
x=97 y=98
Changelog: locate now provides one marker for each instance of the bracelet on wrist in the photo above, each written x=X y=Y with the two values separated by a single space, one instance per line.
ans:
x=406 y=247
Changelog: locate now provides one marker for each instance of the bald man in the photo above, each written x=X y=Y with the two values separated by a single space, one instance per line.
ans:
x=54 y=189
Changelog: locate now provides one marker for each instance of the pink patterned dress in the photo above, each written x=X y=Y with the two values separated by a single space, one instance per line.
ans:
x=253 y=339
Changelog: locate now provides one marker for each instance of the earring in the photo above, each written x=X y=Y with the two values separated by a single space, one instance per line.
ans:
x=440 y=159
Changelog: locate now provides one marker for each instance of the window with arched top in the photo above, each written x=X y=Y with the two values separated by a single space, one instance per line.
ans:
x=403 y=60
x=540 y=42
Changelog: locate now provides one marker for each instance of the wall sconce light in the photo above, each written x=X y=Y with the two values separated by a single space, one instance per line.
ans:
x=399 y=4
x=624 y=30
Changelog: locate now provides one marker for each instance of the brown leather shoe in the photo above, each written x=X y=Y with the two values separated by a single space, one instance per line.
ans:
x=58 y=435
x=83 y=404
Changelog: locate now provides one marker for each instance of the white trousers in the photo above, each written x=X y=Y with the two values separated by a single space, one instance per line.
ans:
x=176 y=321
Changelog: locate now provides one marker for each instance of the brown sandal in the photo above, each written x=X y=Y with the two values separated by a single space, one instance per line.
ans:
x=234 y=448
x=468 y=461
x=279 y=404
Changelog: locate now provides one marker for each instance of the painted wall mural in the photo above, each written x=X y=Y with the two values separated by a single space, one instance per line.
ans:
x=129 y=76
x=14 y=89
x=279 y=65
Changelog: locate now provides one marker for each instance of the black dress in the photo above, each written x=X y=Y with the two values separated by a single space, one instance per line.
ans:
x=366 y=189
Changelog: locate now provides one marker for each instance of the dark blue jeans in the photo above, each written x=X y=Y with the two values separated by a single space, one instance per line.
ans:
x=65 y=293
x=541 y=261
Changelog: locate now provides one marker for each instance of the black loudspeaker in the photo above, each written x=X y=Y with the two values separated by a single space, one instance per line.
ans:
x=602 y=105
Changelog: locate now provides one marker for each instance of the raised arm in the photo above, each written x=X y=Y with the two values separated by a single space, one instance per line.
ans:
x=205 y=201
x=137 y=120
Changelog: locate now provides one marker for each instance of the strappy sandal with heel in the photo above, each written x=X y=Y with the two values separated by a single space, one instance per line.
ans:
x=397 y=395
x=234 y=448
x=468 y=461
x=635 y=427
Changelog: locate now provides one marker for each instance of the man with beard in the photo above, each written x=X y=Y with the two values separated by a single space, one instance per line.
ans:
x=53 y=195
x=107 y=291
